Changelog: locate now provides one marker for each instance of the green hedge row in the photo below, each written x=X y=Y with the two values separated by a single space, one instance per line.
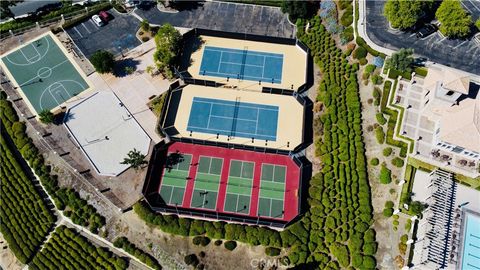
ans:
x=65 y=198
x=361 y=42
x=123 y=243
x=67 y=249
x=25 y=218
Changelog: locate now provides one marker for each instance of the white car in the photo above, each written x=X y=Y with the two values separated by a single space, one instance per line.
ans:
x=97 y=20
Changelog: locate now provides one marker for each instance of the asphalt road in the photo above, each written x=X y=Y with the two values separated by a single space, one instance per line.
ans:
x=116 y=36
x=460 y=54
x=230 y=17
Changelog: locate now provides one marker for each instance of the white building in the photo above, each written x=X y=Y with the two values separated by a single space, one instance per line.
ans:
x=443 y=117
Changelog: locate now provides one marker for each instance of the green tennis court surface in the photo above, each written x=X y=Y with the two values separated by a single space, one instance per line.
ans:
x=207 y=182
x=239 y=187
x=44 y=73
x=272 y=191
x=175 y=177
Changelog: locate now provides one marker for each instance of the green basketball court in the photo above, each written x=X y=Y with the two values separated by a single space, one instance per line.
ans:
x=207 y=182
x=175 y=177
x=272 y=191
x=44 y=74
x=239 y=187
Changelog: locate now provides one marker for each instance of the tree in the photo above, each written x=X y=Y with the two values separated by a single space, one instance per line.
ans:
x=135 y=159
x=385 y=175
x=298 y=9
x=5 y=10
x=145 y=26
x=455 y=22
x=102 y=61
x=401 y=60
x=46 y=116
x=168 y=41
x=477 y=24
x=404 y=14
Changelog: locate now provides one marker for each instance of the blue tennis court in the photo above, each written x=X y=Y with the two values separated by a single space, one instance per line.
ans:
x=233 y=118
x=242 y=64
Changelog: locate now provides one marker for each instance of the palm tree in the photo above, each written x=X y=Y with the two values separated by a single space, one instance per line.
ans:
x=135 y=159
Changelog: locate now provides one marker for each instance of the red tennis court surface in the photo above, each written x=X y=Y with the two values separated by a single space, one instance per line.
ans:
x=230 y=181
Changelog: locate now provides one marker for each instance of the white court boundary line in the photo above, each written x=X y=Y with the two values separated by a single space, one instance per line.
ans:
x=26 y=58
x=47 y=89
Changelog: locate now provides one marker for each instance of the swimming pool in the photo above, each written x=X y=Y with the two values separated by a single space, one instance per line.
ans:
x=471 y=242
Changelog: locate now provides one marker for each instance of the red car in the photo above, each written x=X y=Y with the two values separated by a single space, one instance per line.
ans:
x=104 y=16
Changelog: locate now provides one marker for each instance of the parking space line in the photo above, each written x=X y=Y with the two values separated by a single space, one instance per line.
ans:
x=442 y=39
x=83 y=24
x=460 y=44
x=465 y=6
x=75 y=28
x=412 y=34
x=474 y=5
x=94 y=25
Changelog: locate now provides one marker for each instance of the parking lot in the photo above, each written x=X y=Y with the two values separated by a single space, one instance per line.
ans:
x=230 y=17
x=118 y=35
x=457 y=53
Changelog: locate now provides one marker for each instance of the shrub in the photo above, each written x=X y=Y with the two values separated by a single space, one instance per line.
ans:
x=380 y=118
x=272 y=251
x=145 y=39
x=359 y=53
x=397 y=162
x=363 y=61
x=46 y=116
x=388 y=212
x=421 y=71
x=347 y=17
x=218 y=242
x=385 y=175
x=387 y=151
x=191 y=259
x=380 y=135
x=477 y=24
x=102 y=61
x=145 y=26
x=374 y=161
x=389 y=204
x=377 y=79
x=230 y=245
x=370 y=68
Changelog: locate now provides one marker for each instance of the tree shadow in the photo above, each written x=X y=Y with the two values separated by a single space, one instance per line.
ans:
x=182 y=5
x=125 y=67
x=190 y=46
x=173 y=159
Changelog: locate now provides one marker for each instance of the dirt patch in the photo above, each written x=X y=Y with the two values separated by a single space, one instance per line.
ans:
x=388 y=234
x=7 y=259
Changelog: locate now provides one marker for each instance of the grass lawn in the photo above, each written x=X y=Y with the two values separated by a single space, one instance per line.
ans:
x=462 y=179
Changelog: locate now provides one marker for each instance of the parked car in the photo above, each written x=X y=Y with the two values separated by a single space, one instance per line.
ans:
x=426 y=30
x=96 y=19
x=104 y=16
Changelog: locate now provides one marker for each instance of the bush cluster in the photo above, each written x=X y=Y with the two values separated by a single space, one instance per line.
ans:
x=25 y=217
x=230 y=245
x=67 y=249
x=385 y=175
x=123 y=243
x=201 y=241
x=387 y=151
x=65 y=198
